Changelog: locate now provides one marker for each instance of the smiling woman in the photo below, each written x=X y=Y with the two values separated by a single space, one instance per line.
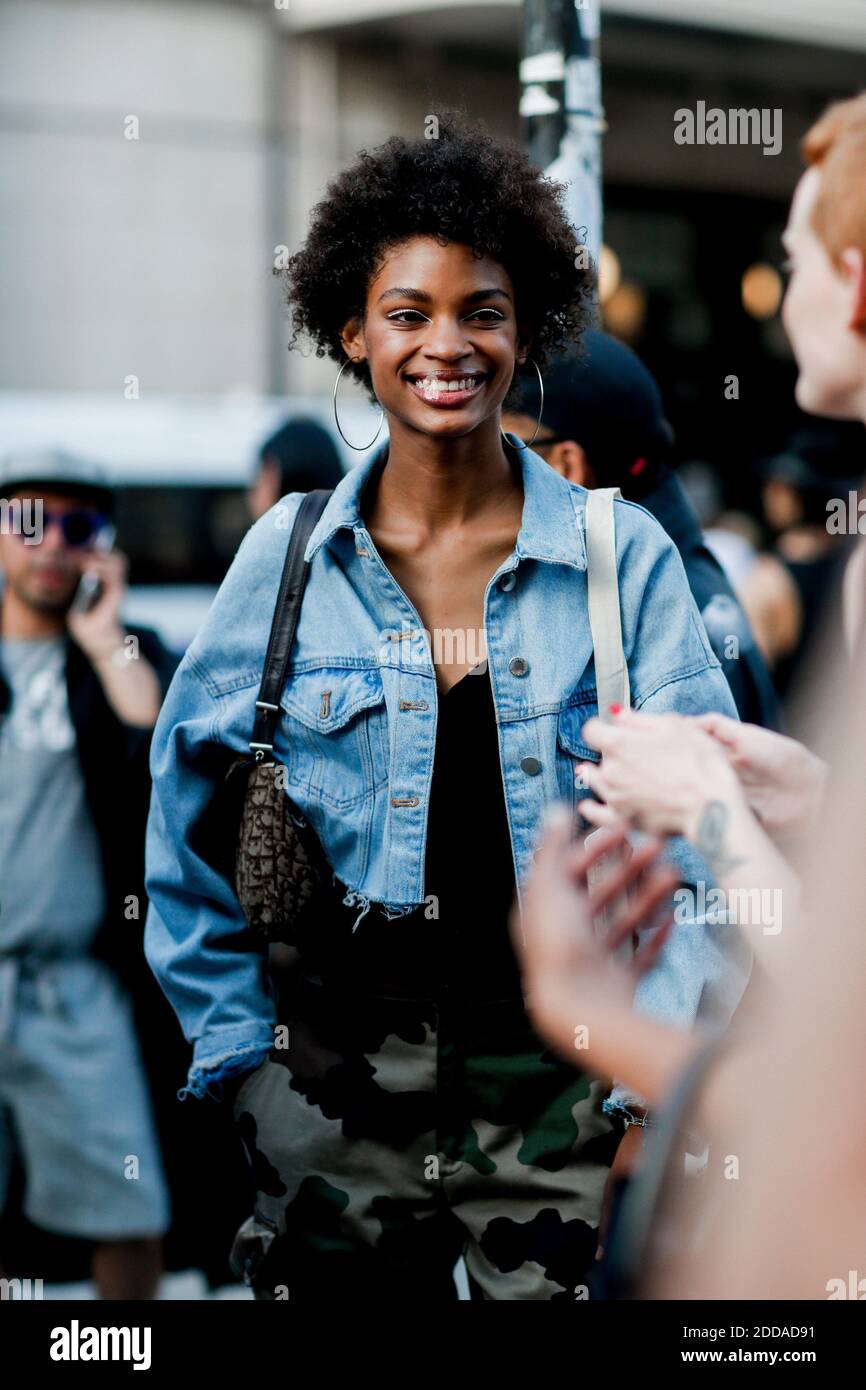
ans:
x=416 y=1113
x=461 y=188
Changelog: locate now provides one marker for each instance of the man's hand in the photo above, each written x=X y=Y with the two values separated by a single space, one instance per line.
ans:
x=99 y=631
x=130 y=683
x=782 y=781
x=657 y=771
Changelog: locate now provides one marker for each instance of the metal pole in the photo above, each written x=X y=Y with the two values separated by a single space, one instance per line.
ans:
x=560 y=77
x=278 y=57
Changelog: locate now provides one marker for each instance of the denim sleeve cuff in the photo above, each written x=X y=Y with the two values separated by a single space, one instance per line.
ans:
x=627 y=1105
x=218 y=1056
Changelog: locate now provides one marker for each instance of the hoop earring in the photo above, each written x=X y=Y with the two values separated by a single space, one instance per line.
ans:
x=527 y=443
x=358 y=447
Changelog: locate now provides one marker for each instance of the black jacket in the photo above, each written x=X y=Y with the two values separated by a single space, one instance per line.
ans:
x=727 y=625
x=114 y=765
x=209 y=1202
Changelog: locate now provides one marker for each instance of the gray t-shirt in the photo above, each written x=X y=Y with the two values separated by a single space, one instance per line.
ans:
x=52 y=893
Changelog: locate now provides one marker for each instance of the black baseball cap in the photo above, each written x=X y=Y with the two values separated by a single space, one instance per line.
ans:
x=609 y=403
x=59 y=471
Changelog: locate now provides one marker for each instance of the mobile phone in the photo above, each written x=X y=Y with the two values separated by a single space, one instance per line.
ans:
x=89 y=586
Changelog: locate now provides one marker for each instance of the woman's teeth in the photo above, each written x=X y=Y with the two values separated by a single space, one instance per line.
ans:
x=432 y=386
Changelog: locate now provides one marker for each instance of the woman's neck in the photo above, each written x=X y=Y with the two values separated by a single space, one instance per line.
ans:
x=446 y=482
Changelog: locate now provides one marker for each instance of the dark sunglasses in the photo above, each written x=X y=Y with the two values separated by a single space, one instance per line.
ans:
x=79 y=527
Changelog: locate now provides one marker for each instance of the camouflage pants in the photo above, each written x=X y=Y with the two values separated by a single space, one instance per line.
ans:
x=391 y=1135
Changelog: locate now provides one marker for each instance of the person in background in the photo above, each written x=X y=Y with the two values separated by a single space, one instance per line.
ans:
x=792 y=592
x=79 y=695
x=603 y=426
x=658 y=774
x=300 y=457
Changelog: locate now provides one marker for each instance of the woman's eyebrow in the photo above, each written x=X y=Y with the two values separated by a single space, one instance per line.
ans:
x=488 y=294
x=422 y=297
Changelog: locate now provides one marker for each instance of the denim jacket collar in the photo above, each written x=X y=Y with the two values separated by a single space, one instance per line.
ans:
x=551 y=527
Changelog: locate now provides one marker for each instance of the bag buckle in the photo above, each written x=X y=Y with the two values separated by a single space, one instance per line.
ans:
x=261 y=748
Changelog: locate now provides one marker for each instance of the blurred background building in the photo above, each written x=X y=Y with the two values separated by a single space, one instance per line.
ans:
x=158 y=157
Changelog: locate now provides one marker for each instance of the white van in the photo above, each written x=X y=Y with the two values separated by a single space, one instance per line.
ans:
x=181 y=466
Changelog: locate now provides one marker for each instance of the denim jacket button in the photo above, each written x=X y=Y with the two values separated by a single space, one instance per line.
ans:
x=518 y=666
x=508 y=581
x=531 y=766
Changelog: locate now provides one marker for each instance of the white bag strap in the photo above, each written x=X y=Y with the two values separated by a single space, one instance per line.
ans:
x=611 y=671
x=605 y=620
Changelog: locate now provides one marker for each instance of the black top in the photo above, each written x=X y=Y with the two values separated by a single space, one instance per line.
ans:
x=460 y=937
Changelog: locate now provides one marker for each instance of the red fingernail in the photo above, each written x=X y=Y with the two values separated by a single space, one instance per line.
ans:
x=615 y=709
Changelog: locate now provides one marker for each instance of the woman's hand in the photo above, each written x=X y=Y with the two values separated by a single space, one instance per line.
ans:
x=658 y=771
x=570 y=971
x=782 y=781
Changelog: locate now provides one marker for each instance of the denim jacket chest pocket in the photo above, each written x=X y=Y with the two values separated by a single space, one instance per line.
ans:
x=570 y=746
x=336 y=733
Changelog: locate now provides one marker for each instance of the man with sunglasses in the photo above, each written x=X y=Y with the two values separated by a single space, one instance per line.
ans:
x=79 y=695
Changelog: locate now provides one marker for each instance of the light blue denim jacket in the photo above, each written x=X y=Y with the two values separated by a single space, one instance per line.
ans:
x=357 y=736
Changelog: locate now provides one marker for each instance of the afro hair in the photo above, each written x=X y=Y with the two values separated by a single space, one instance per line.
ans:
x=462 y=186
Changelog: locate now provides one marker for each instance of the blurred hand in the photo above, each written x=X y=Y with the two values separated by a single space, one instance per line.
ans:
x=99 y=631
x=566 y=963
x=782 y=781
x=657 y=771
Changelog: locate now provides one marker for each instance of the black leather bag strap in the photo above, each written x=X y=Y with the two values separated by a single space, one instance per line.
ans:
x=285 y=621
